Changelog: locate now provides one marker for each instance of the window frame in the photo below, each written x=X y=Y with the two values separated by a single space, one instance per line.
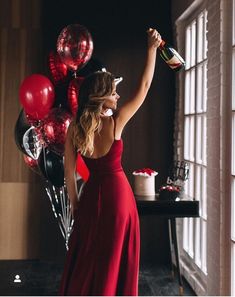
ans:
x=195 y=225
x=195 y=276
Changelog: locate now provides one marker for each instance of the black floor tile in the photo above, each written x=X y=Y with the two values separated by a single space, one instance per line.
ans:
x=41 y=278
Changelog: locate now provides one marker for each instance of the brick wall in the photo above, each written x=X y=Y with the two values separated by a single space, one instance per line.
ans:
x=213 y=147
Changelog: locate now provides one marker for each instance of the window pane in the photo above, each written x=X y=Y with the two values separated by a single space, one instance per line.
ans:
x=204 y=196
x=205 y=44
x=198 y=241
x=191 y=180
x=192 y=91
x=198 y=187
x=205 y=87
x=186 y=137
x=199 y=139
x=200 y=37
x=204 y=137
x=200 y=85
x=192 y=137
x=186 y=187
x=198 y=184
x=191 y=245
x=204 y=239
x=187 y=93
x=193 y=44
x=189 y=138
x=188 y=48
x=185 y=234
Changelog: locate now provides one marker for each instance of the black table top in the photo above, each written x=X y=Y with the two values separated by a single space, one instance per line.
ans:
x=151 y=205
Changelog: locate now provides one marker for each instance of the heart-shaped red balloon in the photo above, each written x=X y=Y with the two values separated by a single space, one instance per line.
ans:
x=58 y=69
x=73 y=94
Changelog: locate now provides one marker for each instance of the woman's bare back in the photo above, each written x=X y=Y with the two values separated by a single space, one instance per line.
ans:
x=105 y=138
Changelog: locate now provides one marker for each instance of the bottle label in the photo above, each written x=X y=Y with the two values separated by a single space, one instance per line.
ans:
x=175 y=61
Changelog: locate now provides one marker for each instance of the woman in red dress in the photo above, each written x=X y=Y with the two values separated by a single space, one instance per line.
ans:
x=104 y=247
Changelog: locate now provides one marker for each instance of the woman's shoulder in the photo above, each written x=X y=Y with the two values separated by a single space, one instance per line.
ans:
x=70 y=130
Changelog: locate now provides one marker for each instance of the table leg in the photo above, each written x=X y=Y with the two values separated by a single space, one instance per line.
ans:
x=175 y=242
x=171 y=248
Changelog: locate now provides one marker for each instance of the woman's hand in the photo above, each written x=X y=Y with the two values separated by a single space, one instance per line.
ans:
x=154 y=38
x=74 y=207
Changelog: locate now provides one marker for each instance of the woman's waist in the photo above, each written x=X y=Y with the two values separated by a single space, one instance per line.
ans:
x=101 y=171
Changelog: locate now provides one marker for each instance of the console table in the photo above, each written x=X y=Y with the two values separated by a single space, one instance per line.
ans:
x=170 y=209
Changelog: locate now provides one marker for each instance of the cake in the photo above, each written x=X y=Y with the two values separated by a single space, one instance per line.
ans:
x=169 y=192
x=144 y=182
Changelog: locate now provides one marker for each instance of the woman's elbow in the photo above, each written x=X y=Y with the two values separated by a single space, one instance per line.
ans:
x=147 y=85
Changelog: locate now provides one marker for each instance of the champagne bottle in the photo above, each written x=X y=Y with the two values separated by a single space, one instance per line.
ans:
x=171 y=56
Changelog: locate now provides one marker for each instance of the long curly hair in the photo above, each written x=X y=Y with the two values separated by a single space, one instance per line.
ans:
x=92 y=93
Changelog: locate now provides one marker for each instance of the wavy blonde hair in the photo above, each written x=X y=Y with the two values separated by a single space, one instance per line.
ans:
x=90 y=104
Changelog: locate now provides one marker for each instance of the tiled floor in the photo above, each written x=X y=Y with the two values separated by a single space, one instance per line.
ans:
x=41 y=278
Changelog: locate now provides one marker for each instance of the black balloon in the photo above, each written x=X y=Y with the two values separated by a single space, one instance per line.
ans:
x=92 y=66
x=21 y=126
x=52 y=167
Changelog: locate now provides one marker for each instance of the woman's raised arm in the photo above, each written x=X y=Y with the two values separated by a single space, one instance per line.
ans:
x=130 y=107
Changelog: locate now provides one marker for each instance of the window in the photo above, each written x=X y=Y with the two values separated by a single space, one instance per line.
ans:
x=195 y=117
x=233 y=164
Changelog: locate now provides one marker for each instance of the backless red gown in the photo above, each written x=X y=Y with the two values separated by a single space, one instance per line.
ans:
x=104 y=247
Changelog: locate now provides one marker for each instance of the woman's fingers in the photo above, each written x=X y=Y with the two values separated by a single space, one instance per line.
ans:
x=154 y=36
x=74 y=208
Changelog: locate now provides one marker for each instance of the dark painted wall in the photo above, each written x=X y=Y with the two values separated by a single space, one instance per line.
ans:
x=119 y=33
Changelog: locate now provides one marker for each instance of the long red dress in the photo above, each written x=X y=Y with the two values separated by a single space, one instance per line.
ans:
x=104 y=247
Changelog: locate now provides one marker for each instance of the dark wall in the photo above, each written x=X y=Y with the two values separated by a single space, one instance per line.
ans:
x=110 y=22
x=119 y=29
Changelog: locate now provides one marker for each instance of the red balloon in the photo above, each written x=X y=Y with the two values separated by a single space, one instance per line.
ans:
x=75 y=46
x=37 y=96
x=55 y=128
x=81 y=168
x=57 y=68
x=73 y=94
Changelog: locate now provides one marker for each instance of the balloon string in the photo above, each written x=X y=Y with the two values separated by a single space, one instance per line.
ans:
x=66 y=211
x=55 y=195
x=44 y=160
x=69 y=220
x=62 y=204
x=63 y=214
x=52 y=205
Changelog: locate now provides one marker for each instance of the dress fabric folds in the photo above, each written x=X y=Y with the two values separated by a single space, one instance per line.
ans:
x=104 y=247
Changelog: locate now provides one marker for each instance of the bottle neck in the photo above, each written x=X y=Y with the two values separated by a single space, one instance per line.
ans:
x=162 y=44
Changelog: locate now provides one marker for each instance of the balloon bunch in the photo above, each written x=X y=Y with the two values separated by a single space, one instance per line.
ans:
x=49 y=105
